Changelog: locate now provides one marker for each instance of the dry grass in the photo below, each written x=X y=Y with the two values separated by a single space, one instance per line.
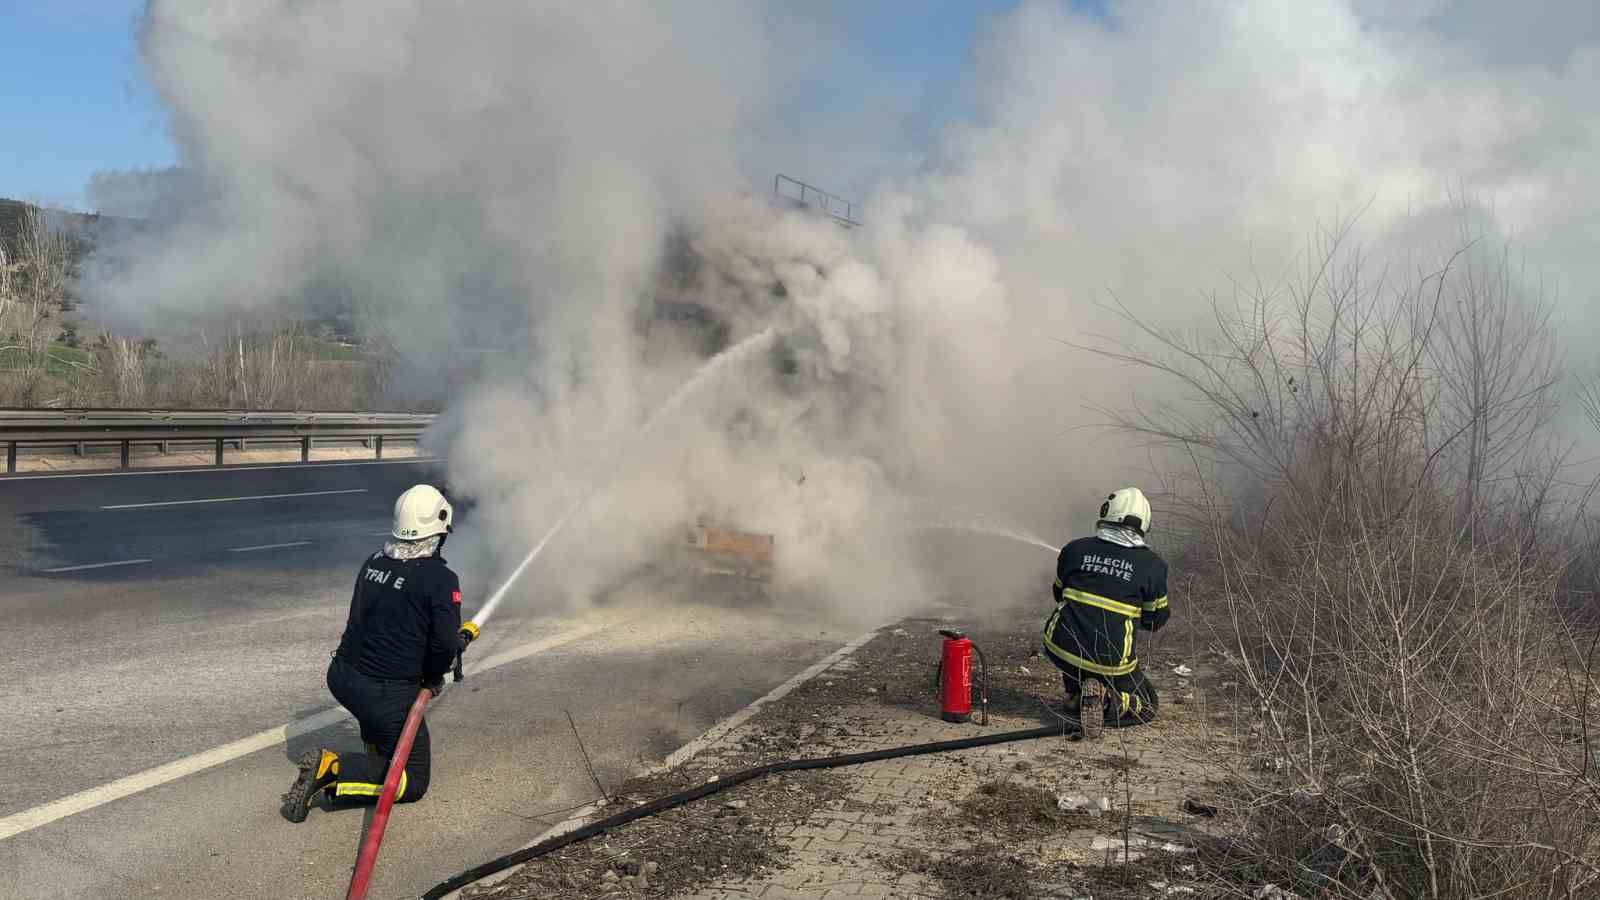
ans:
x=1390 y=557
x=1013 y=811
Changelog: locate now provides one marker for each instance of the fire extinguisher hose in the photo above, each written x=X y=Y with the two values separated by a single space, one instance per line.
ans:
x=720 y=783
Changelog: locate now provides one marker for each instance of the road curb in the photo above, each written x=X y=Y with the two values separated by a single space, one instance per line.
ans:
x=690 y=750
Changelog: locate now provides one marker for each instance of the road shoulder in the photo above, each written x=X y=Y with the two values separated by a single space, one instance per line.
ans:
x=977 y=822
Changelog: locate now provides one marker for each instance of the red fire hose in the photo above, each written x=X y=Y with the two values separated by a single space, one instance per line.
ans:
x=362 y=876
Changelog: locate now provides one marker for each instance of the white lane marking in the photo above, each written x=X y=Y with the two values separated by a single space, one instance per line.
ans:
x=42 y=815
x=28 y=820
x=268 y=547
x=104 y=565
x=234 y=499
x=413 y=461
x=688 y=751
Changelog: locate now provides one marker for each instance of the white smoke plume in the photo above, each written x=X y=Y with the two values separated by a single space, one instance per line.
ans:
x=549 y=178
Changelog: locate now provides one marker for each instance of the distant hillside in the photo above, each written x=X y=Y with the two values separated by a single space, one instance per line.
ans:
x=84 y=225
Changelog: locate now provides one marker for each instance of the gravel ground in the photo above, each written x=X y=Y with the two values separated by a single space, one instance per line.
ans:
x=994 y=828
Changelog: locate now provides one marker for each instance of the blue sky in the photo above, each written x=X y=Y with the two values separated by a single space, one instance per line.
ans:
x=71 y=85
x=71 y=98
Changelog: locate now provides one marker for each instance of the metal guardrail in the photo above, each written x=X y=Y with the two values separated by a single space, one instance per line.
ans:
x=839 y=208
x=127 y=427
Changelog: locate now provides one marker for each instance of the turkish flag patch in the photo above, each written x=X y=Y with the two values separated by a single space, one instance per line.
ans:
x=455 y=597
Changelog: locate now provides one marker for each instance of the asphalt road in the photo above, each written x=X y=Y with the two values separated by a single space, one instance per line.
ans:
x=154 y=617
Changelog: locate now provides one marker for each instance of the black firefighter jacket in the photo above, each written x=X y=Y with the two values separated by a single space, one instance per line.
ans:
x=1104 y=592
x=404 y=616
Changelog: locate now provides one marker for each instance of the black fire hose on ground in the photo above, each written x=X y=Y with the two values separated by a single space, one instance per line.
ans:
x=724 y=782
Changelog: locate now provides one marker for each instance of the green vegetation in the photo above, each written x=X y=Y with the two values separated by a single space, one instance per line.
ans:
x=50 y=357
x=60 y=360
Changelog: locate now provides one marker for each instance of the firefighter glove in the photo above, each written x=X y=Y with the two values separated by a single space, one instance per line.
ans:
x=435 y=685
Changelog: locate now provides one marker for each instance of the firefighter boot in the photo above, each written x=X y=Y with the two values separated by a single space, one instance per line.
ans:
x=1092 y=709
x=318 y=770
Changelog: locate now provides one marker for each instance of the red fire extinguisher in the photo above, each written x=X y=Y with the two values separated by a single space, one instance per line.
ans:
x=954 y=678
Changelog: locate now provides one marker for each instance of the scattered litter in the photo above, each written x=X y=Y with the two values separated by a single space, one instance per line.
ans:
x=1182 y=671
x=1334 y=834
x=1025 y=670
x=736 y=804
x=1273 y=892
x=1079 y=803
x=900 y=632
x=1134 y=848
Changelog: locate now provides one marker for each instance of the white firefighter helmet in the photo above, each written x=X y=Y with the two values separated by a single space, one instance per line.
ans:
x=1129 y=507
x=421 y=512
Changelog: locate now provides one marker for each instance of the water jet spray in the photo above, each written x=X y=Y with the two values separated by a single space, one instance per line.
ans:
x=735 y=354
x=991 y=530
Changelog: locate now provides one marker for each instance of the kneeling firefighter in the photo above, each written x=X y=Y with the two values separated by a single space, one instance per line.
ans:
x=1108 y=586
x=404 y=632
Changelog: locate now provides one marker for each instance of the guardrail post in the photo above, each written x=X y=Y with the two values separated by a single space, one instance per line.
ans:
x=119 y=430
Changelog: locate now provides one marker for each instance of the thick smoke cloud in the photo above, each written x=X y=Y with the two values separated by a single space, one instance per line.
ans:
x=138 y=193
x=547 y=181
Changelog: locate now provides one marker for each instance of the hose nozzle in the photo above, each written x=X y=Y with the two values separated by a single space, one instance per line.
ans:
x=467 y=634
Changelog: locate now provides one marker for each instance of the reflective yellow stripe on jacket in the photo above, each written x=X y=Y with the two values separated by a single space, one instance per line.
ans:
x=1127 y=665
x=1105 y=603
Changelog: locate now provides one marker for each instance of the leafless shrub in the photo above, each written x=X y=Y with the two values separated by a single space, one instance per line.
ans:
x=33 y=294
x=8 y=273
x=122 y=367
x=1374 y=508
x=276 y=369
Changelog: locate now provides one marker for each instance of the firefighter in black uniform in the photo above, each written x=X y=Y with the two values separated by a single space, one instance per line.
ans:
x=403 y=634
x=1108 y=587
